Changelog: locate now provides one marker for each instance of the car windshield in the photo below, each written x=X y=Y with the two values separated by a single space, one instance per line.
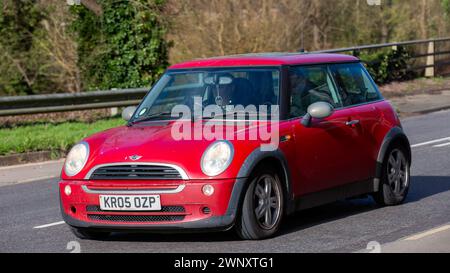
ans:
x=198 y=89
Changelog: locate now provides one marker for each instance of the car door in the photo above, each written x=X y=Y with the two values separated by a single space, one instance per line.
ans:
x=326 y=154
x=360 y=94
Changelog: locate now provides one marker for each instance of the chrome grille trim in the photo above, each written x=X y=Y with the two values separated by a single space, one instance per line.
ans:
x=164 y=209
x=182 y=173
x=136 y=218
x=179 y=189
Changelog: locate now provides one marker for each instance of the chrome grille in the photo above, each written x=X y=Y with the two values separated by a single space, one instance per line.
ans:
x=135 y=172
x=136 y=218
x=164 y=209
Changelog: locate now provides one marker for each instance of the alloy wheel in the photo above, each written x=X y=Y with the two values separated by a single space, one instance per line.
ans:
x=267 y=202
x=398 y=172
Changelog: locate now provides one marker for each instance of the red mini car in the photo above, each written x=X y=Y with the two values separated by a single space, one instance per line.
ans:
x=239 y=142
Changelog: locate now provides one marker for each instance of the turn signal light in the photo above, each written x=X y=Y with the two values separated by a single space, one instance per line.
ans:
x=208 y=190
x=68 y=190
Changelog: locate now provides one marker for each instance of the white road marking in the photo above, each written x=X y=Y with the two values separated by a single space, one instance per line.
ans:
x=50 y=225
x=427 y=233
x=442 y=145
x=430 y=142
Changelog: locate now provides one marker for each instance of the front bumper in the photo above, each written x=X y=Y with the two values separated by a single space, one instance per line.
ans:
x=183 y=205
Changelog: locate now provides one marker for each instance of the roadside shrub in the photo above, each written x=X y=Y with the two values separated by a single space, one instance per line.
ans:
x=124 y=47
x=388 y=65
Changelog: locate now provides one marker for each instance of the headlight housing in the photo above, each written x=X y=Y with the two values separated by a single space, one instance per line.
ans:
x=217 y=158
x=76 y=159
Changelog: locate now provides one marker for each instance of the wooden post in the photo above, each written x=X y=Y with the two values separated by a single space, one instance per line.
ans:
x=114 y=111
x=429 y=71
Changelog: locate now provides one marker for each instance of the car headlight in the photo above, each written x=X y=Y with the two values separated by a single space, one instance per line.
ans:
x=76 y=159
x=217 y=158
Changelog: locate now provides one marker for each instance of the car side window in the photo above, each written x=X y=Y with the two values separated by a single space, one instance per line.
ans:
x=354 y=84
x=309 y=85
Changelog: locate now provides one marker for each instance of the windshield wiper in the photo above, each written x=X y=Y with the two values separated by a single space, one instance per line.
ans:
x=150 y=117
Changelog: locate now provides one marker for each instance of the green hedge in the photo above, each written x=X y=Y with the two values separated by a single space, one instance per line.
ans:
x=388 y=65
x=123 y=48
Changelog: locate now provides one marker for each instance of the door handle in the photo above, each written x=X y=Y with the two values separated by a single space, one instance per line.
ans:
x=352 y=122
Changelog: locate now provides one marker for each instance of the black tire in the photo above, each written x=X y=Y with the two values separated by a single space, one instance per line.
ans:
x=89 y=234
x=248 y=225
x=388 y=194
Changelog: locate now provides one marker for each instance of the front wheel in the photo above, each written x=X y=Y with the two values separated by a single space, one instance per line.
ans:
x=395 y=180
x=262 y=208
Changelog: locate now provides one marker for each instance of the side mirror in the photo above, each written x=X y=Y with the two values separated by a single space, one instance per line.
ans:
x=128 y=112
x=317 y=110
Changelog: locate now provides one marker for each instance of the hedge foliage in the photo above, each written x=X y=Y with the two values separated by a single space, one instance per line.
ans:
x=388 y=64
x=124 y=47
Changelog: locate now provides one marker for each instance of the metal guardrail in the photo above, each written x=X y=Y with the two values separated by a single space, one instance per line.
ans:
x=21 y=105
x=430 y=66
x=378 y=46
x=34 y=104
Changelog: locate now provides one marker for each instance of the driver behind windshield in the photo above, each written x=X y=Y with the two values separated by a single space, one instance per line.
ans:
x=238 y=91
x=221 y=94
x=226 y=94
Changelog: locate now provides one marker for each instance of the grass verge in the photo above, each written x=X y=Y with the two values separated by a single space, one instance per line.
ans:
x=50 y=137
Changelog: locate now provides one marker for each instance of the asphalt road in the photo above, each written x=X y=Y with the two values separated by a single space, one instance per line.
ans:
x=345 y=226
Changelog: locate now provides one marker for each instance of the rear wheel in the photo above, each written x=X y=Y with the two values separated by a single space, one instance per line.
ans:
x=395 y=180
x=89 y=234
x=262 y=208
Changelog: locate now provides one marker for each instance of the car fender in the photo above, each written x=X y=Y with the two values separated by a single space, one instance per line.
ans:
x=238 y=192
x=394 y=134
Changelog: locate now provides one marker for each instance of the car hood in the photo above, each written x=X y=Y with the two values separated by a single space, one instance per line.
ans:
x=152 y=142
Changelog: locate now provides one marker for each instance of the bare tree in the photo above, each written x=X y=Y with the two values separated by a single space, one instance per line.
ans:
x=60 y=48
x=218 y=27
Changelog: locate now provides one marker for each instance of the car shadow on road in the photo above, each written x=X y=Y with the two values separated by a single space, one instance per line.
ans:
x=175 y=237
x=426 y=186
x=421 y=187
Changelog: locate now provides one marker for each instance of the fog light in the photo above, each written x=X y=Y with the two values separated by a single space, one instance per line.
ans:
x=208 y=190
x=206 y=210
x=67 y=190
